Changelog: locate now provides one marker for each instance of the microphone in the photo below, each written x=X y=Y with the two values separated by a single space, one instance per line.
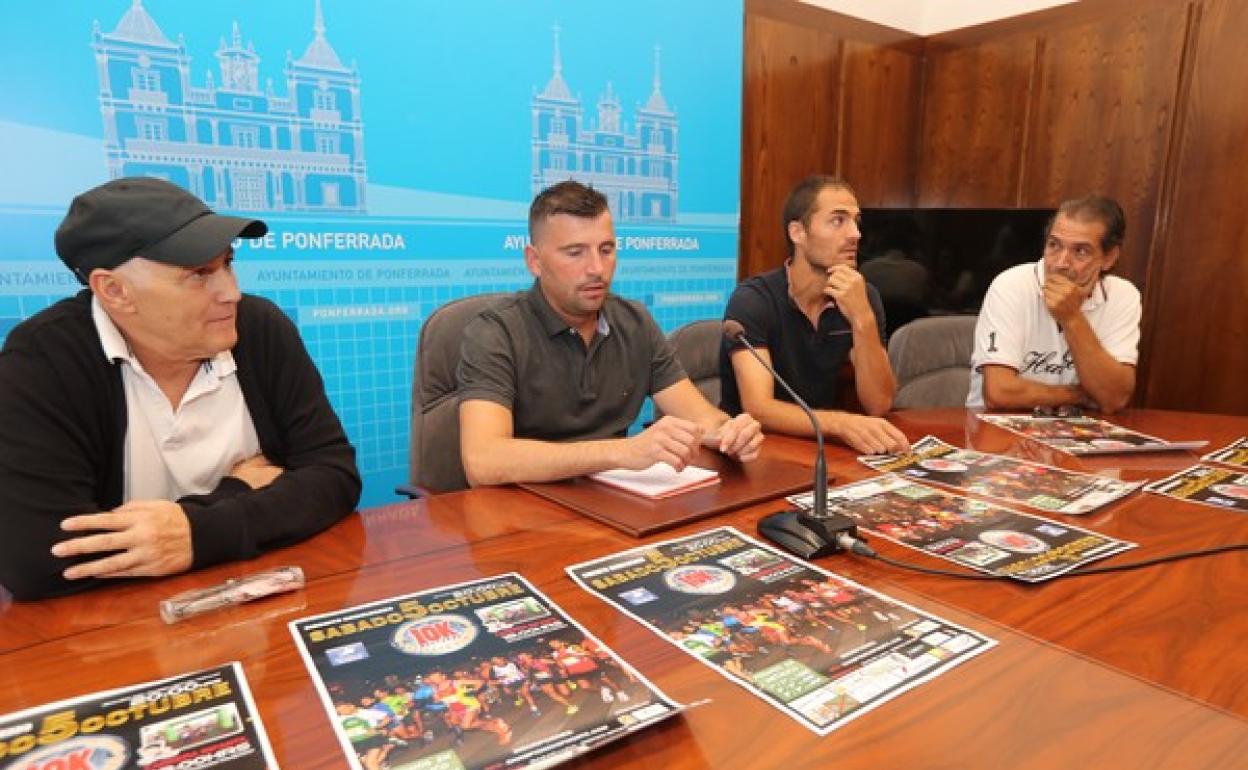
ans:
x=813 y=534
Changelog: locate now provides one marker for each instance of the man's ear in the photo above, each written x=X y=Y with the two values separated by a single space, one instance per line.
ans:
x=1111 y=259
x=531 y=261
x=797 y=231
x=110 y=289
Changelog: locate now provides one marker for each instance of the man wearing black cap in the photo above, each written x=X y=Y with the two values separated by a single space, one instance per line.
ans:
x=158 y=421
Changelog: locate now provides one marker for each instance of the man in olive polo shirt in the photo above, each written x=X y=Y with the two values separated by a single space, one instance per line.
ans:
x=551 y=378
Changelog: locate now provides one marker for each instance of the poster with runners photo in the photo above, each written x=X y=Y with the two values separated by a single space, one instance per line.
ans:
x=979 y=535
x=489 y=673
x=202 y=719
x=1234 y=454
x=1007 y=479
x=820 y=648
x=1085 y=435
x=1207 y=485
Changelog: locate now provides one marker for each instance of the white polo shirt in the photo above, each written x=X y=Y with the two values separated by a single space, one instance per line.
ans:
x=171 y=453
x=1016 y=330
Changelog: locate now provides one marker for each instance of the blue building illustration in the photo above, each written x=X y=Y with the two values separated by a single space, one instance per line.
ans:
x=235 y=144
x=636 y=170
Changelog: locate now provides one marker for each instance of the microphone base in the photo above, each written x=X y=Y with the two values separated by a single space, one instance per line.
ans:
x=787 y=530
x=830 y=526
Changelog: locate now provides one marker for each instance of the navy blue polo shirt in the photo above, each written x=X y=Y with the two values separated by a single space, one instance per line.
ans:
x=808 y=357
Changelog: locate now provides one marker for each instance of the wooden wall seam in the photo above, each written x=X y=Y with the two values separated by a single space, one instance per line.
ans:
x=1037 y=64
x=839 y=160
x=1154 y=276
x=919 y=127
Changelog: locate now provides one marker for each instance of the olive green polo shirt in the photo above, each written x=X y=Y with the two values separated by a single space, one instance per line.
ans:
x=519 y=353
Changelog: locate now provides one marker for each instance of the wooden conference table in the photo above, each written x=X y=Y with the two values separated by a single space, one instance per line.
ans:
x=1140 y=669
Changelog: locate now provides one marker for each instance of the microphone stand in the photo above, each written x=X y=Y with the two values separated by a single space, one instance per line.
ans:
x=821 y=462
x=817 y=521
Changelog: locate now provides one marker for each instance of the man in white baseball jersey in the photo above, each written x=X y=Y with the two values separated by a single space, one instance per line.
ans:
x=1061 y=330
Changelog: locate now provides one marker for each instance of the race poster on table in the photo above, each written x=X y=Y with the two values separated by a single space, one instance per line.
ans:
x=817 y=647
x=483 y=674
x=205 y=719
x=979 y=535
x=1085 y=435
x=1235 y=454
x=1003 y=478
x=1219 y=487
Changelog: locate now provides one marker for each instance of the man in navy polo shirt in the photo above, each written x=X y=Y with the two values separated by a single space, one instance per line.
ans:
x=807 y=318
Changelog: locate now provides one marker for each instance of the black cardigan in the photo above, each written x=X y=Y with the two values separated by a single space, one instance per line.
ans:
x=62 y=437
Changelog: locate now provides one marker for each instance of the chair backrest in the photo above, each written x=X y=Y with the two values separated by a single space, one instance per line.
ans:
x=931 y=359
x=434 y=461
x=697 y=350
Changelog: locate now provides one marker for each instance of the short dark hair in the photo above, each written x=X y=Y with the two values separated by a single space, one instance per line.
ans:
x=571 y=198
x=1096 y=208
x=800 y=204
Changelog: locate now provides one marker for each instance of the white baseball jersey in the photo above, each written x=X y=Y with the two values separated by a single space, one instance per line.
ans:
x=1016 y=330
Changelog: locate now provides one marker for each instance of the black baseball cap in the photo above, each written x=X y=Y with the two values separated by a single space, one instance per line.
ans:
x=145 y=217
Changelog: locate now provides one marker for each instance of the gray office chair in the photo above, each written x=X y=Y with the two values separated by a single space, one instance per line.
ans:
x=697 y=349
x=434 y=464
x=931 y=359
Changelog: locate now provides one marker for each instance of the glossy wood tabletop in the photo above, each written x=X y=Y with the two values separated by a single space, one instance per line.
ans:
x=1183 y=625
x=1133 y=670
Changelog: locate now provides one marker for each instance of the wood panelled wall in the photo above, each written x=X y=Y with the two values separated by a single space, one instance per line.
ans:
x=1064 y=106
x=1140 y=99
x=1198 y=279
x=827 y=94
